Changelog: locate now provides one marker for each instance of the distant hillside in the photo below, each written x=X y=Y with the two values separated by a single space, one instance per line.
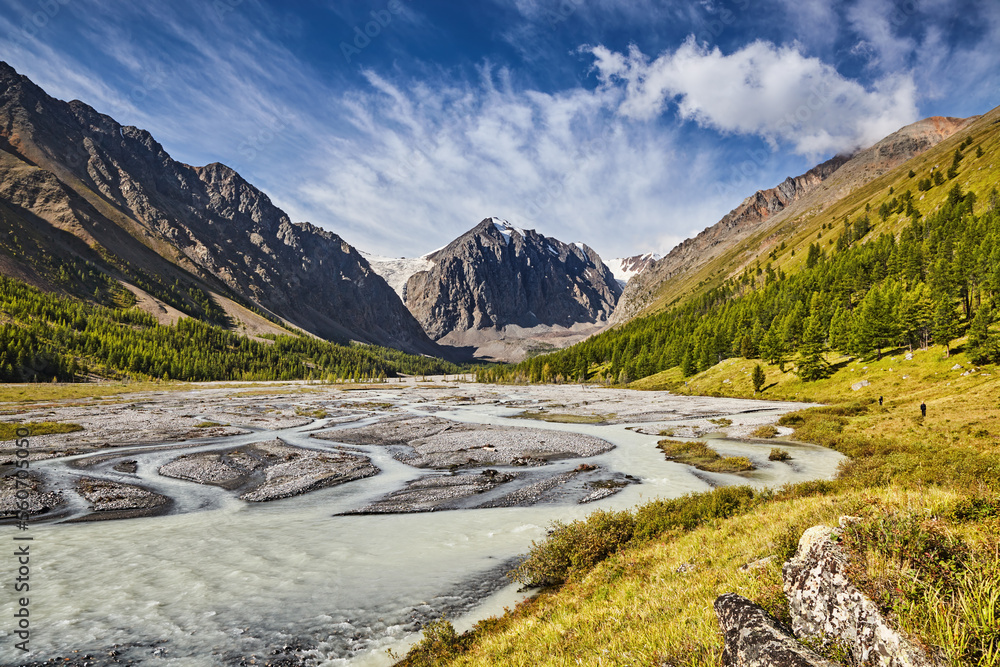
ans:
x=905 y=260
x=767 y=217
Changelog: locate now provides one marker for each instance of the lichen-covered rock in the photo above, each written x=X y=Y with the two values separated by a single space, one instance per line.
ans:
x=825 y=604
x=755 y=639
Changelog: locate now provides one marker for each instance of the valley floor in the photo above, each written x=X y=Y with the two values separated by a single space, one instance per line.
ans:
x=330 y=522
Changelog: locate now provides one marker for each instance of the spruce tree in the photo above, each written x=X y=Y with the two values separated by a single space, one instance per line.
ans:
x=758 y=378
x=982 y=345
x=945 y=325
x=812 y=364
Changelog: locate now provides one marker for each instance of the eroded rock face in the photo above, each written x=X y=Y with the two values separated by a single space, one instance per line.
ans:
x=755 y=639
x=497 y=276
x=108 y=187
x=826 y=605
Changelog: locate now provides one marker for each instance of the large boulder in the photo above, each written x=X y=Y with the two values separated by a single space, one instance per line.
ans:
x=755 y=639
x=824 y=604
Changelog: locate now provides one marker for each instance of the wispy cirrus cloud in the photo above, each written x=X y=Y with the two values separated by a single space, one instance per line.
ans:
x=439 y=157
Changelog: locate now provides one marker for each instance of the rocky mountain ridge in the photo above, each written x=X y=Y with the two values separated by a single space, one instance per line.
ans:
x=500 y=282
x=626 y=268
x=821 y=186
x=110 y=195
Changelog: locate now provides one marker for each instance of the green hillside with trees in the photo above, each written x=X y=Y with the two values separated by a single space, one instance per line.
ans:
x=883 y=308
x=46 y=337
x=909 y=266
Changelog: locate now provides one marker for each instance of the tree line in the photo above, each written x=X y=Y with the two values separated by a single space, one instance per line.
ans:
x=48 y=337
x=860 y=295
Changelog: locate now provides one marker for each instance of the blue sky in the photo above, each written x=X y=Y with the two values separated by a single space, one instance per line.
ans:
x=626 y=125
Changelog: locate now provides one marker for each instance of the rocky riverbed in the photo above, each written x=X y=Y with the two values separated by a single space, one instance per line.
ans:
x=260 y=443
x=314 y=523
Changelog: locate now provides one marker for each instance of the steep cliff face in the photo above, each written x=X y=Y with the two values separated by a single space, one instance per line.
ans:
x=497 y=278
x=766 y=209
x=117 y=190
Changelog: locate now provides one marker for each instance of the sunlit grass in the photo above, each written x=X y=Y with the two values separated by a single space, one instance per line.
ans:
x=8 y=430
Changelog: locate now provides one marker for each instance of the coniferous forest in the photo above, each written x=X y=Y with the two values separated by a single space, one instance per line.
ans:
x=861 y=294
x=47 y=337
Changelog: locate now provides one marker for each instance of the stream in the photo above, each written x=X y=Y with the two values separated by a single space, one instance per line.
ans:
x=219 y=580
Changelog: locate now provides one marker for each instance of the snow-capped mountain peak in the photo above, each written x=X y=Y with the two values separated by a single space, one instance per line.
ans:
x=505 y=228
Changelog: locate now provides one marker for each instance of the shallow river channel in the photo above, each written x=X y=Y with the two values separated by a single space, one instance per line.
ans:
x=218 y=580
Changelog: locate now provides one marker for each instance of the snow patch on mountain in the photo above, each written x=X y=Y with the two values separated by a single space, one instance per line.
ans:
x=626 y=268
x=396 y=271
x=505 y=228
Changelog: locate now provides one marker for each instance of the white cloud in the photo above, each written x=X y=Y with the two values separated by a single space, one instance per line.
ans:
x=878 y=23
x=762 y=89
x=815 y=22
x=433 y=159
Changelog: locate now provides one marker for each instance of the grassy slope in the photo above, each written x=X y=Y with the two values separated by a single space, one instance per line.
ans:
x=652 y=604
x=975 y=174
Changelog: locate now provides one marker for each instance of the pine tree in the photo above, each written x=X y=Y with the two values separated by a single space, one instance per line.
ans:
x=773 y=348
x=758 y=378
x=945 y=325
x=812 y=364
x=982 y=345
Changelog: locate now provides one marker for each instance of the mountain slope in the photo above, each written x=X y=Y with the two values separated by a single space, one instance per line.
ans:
x=727 y=246
x=500 y=282
x=90 y=190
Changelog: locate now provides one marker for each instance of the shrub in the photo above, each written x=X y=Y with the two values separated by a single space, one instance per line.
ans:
x=778 y=455
x=913 y=544
x=791 y=419
x=976 y=508
x=688 y=512
x=575 y=547
x=440 y=642
x=765 y=431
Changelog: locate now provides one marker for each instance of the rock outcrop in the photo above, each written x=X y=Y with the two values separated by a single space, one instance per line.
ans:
x=826 y=609
x=86 y=186
x=500 y=282
x=824 y=604
x=755 y=639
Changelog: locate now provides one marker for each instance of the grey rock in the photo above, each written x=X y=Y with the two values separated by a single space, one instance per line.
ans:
x=496 y=275
x=860 y=385
x=826 y=605
x=755 y=639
